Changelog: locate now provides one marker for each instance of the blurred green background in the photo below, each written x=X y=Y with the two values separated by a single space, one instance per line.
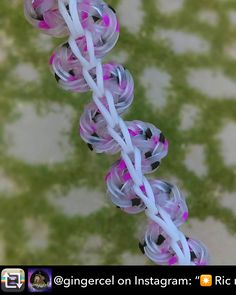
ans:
x=53 y=205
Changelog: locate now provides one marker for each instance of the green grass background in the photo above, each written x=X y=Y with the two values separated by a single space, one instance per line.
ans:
x=116 y=228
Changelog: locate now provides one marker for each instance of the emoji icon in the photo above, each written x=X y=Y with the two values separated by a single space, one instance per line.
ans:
x=206 y=280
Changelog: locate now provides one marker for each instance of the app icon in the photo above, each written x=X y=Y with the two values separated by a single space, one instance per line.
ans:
x=12 y=280
x=206 y=280
x=39 y=280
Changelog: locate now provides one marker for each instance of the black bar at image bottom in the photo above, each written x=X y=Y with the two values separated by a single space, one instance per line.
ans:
x=30 y=279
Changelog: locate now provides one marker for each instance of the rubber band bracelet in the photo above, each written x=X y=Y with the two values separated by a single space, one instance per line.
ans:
x=93 y=30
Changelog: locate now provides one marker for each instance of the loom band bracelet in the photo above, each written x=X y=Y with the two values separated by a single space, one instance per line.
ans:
x=69 y=75
x=151 y=160
x=65 y=54
x=124 y=198
x=63 y=57
x=121 y=193
x=151 y=156
x=92 y=121
x=97 y=137
x=104 y=141
x=122 y=92
x=151 y=142
x=158 y=246
x=43 y=5
x=69 y=72
x=45 y=16
x=149 y=132
x=168 y=197
x=169 y=201
x=120 y=190
x=94 y=131
x=97 y=12
x=155 y=244
x=120 y=83
x=99 y=19
x=174 y=233
x=198 y=252
x=92 y=115
x=95 y=17
x=111 y=34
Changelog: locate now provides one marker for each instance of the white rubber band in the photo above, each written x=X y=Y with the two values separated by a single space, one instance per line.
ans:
x=67 y=18
x=75 y=17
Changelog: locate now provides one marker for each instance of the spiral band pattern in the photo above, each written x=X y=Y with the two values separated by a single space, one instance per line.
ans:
x=93 y=30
